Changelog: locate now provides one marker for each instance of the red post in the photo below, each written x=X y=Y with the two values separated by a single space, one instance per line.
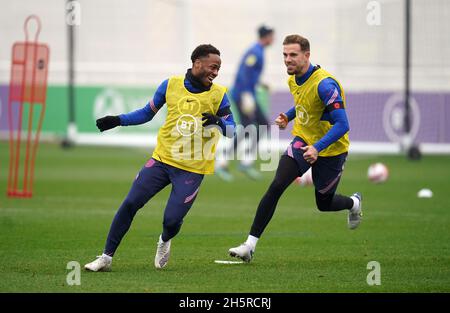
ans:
x=28 y=85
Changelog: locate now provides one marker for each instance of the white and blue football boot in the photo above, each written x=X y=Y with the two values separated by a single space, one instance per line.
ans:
x=162 y=253
x=355 y=214
x=244 y=252
x=101 y=264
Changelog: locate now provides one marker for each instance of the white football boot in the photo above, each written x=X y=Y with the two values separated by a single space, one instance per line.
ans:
x=162 y=253
x=244 y=252
x=101 y=264
x=355 y=214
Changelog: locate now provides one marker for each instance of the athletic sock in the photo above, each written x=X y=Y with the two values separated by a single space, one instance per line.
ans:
x=251 y=242
x=355 y=203
x=108 y=257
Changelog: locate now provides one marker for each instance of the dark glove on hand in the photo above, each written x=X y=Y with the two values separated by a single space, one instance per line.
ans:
x=108 y=122
x=211 y=119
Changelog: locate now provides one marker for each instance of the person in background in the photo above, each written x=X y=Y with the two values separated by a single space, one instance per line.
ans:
x=249 y=110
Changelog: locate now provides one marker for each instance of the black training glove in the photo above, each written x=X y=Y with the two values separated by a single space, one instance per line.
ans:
x=108 y=122
x=211 y=119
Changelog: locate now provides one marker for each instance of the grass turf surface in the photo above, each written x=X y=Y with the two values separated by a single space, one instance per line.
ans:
x=78 y=191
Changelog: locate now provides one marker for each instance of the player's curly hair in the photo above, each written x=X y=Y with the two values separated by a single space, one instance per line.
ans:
x=301 y=41
x=203 y=51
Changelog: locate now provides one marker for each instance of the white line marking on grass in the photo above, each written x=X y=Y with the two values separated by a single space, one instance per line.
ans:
x=228 y=262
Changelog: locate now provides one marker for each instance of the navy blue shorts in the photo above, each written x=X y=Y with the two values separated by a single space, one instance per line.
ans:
x=151 y=179
x=156 y=175
x=326 y=171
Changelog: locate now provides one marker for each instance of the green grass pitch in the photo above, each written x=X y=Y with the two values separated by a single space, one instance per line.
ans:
x=78 y=191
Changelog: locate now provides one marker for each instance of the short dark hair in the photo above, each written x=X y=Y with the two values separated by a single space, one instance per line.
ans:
x=264 y=31
x=301 y=41
x=203 y=51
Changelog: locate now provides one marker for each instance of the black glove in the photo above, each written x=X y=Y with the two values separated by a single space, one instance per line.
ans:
x=108 y=122
x=211 y=119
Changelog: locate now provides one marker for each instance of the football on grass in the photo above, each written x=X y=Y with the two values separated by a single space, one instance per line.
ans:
x=378 y=173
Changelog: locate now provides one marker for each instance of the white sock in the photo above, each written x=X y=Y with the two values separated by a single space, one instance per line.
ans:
x=160 y=239
x=108 y=257
x=251 y=241
x=355 y=203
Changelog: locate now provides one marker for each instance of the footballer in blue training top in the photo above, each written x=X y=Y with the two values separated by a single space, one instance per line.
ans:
x=243 y=94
